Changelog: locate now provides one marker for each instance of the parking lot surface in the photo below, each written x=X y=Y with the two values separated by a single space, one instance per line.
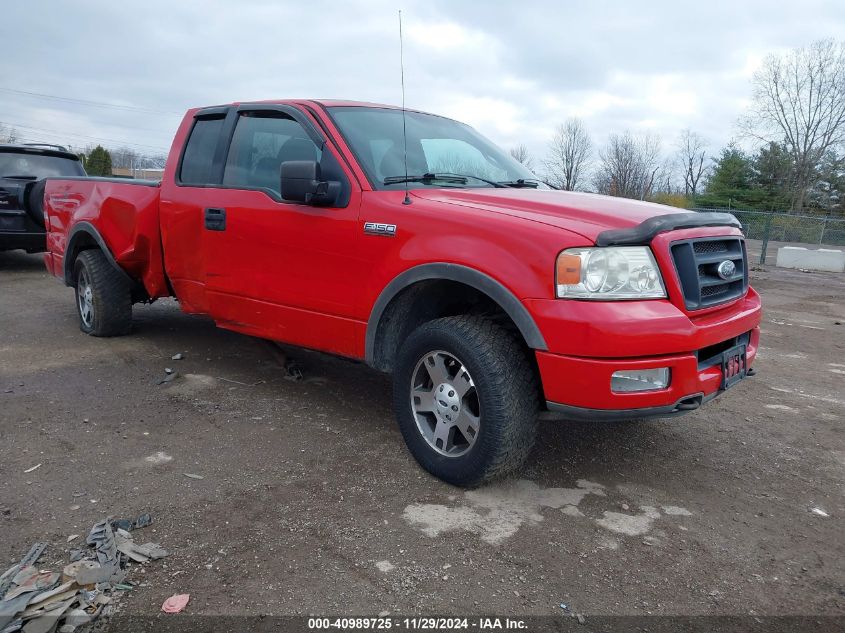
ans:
x=309 y=502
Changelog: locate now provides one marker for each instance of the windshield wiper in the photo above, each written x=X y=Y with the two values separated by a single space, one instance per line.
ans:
x=461 y=179
x=519 y=184
x=489 y=182
x=20 y=177
x=425 y=178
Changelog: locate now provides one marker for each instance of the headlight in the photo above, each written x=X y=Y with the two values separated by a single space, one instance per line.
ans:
x=615 y=272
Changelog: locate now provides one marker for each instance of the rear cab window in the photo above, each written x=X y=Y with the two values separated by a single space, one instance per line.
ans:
x=198 y=159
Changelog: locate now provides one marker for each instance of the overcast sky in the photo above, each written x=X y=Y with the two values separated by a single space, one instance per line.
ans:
x=514 y=70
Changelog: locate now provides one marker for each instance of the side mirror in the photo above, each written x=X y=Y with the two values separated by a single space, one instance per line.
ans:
x=302 y=182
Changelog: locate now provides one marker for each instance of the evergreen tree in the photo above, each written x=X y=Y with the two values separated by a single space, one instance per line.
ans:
x=828 y=193
x=774 y=176
x=732 y=182
x=98 y=162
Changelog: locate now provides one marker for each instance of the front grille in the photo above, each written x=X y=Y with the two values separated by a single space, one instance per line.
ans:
x=711 y=246
x=697 y=262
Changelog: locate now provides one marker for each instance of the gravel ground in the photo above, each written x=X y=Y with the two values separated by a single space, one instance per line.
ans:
x=309 y=502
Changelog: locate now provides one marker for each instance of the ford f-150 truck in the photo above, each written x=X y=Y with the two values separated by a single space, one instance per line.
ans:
x=423 y=249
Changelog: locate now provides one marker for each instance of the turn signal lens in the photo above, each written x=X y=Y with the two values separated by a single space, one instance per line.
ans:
x=568 y=269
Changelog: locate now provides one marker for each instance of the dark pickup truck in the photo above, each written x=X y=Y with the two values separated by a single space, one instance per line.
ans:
x=22 y=172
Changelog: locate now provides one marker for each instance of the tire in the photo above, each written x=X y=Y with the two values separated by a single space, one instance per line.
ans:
x=103 y=296
x=34 y=202
x=490 y=398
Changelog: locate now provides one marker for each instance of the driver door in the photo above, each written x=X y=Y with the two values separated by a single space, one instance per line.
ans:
x=279 y=269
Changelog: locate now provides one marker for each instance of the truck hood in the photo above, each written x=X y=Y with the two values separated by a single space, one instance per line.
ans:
x=586 y=214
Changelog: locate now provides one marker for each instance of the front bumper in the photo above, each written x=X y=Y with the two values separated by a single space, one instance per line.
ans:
x=685 y=405
x=617 y=337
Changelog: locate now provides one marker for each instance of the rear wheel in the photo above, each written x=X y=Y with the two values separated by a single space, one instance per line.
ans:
x=466 y=399
x=103 y=296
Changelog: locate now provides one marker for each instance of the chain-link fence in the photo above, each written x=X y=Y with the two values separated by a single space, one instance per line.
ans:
x=765 y=231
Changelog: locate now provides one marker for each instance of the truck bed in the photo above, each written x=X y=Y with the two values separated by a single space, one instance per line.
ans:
x=123 y=213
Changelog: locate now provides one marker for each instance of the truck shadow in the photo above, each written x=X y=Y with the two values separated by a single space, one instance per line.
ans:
x=634 y=450
x=21 y=261
x=361 y=398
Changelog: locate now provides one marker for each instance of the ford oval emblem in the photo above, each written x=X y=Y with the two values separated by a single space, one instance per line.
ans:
x=726 y=269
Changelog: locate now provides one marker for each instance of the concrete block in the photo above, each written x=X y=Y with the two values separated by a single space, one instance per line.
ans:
x=824 y=259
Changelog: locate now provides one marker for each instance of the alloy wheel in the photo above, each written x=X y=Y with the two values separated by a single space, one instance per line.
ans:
x=445 y=403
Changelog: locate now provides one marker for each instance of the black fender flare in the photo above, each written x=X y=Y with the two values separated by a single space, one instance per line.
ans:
x=462 y=274
x=88 y=230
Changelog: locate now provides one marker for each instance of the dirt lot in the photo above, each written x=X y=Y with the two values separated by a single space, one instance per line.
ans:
x=309 y=502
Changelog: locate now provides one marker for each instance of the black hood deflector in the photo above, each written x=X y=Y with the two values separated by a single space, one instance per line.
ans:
x=644 y=232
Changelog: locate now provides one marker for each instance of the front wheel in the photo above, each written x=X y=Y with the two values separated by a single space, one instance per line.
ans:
x=103 y=296
x=466 y=401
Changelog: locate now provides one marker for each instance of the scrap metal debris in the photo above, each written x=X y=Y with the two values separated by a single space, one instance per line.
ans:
x=170 y=376
x=31 y=557
x=143 y=521
x=33 y=600
x=129 y=524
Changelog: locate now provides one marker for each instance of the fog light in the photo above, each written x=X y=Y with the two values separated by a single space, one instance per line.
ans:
x=639 y=380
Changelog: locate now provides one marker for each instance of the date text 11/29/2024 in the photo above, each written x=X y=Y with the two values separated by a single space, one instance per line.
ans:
x=417 y=624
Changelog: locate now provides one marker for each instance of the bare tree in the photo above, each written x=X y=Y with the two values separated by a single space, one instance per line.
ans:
x=8 y=134
x=520 y=154
x=125 y=158
x=665 y=178
x=629 y=166
x=569 y=155
x=799 y=98
x=692 y=153
x=156 y=161
x=128 y=158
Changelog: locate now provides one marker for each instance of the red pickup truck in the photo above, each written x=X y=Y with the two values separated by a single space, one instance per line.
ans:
x=414 y=243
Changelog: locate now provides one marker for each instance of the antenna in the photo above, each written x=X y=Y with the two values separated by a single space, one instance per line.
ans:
x=407 y=199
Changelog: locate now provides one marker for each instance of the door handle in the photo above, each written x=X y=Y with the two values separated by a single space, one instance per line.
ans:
x=215 y=219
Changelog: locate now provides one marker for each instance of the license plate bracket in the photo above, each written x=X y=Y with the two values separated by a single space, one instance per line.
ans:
x=734 y=366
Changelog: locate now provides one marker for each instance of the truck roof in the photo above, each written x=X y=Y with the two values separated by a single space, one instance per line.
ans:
x=334 y=103
x=328 y=103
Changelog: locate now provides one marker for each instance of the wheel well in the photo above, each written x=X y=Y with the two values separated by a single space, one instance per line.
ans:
x=83 y=238
x=432 y=299
x=82 y=242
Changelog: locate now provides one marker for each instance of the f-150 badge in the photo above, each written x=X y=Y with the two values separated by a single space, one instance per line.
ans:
x=377 y=228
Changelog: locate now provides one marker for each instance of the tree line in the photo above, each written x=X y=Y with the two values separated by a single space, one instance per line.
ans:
x=98 y=160
x=796 y=122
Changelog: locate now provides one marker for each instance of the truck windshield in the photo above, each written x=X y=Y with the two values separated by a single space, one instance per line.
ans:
x=441 y=152
x=37 y=166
